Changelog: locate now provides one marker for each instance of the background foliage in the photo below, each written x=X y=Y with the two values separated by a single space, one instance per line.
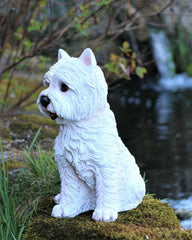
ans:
x=37 y=28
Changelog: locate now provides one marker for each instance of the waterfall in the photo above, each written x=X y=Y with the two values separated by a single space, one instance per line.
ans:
x=169 y=80
x=162 y=54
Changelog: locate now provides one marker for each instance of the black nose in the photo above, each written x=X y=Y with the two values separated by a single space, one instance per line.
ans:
x=44 y=100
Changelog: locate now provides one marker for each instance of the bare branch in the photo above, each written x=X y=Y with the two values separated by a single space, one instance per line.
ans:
x=14 y=64
x=166 y=6
x=27 y=96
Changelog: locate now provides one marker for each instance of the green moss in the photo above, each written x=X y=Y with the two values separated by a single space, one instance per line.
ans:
x=4 y=131
x=150 y=220
x=158 y=211
x=11 y=164
x=29 y=124
x=37 y=119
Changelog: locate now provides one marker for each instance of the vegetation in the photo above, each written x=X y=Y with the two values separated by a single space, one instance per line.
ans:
x=182 y=49
x=125 y=64
x=32 y=28
x=21 y=190
x=27 y=189
x=30 y=31
x=11 y=227
x=150 y=220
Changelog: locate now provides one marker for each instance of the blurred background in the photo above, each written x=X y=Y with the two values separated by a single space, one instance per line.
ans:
x=144 y=48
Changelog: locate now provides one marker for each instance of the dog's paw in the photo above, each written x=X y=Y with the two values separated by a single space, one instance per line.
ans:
x=57 y=198
x=58 y=211
x=61 y=210
x=105 y=215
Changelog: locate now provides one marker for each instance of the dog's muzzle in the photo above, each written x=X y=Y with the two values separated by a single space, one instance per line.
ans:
x=44 y=100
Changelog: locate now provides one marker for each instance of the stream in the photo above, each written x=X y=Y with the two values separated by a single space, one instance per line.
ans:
x=154 y=118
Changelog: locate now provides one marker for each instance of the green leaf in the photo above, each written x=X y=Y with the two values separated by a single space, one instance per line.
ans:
x=84 y=33
x=28 y=44
x=20 y=66
x=34 y=25
x=77 y=26
x=85 y=25
x=81 y=8
x=126 y=45
x=103 y=2
x=45 y=24
x=134 y=55
x=113 y=57
x=140 y=71
x=157 y=8
x=2 y=102
x=110 y=67
x=123 y=61
x=43 y=3
x=5 y=75
x=22 y=88
x=19 y=33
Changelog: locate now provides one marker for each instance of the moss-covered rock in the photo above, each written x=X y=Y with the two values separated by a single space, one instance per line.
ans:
x=31 y=123
x=17 y=132
x=152 y=219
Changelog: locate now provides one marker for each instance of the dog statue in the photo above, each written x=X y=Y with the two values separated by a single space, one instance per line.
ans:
x=97 y=171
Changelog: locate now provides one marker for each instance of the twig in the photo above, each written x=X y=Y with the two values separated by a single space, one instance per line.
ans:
x=24 y=98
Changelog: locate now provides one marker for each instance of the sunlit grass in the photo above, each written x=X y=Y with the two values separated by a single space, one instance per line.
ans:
x=42 y=169
x=20 y=192
x=10 y=226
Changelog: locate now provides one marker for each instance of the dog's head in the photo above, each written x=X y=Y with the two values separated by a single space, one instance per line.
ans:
x=76 y=88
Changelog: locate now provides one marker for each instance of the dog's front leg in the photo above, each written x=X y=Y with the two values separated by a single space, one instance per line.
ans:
x=75 y=196
x=107 y=202
x=67 y=199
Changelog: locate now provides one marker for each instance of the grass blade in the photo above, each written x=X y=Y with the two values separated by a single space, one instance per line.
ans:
x=34 y=140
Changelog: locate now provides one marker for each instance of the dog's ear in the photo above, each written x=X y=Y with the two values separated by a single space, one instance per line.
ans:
x=88 y=57
x=62 y=54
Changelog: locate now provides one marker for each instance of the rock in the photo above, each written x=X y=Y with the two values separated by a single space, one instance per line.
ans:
x=152 y=219
x=182 y=207
x=183 y=214
x=17 y=133
x=187 y=224
x=183 y=210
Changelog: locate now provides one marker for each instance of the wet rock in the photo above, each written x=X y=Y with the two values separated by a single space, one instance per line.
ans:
x=183 y=214
x=187 y=224
x=183 y=210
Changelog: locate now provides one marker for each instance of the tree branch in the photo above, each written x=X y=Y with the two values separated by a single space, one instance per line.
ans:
x=27 y=96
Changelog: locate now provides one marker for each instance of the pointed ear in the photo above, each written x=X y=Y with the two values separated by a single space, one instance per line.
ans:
x=88 y=57
x=62 y=54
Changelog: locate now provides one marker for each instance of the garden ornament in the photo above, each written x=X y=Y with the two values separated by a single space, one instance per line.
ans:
x=97 y=171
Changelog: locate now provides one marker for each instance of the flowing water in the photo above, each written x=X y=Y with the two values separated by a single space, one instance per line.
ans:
x=155 y=122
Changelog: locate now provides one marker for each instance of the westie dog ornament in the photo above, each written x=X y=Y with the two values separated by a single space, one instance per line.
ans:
x=97 y=171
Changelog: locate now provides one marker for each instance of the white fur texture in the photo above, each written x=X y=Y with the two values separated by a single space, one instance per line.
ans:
x=97 y=171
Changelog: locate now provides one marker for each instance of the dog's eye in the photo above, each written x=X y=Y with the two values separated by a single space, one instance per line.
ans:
x=46 y=84
x=64 y=87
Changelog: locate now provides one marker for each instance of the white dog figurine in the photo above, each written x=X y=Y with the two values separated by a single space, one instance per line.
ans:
x=97 y=171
